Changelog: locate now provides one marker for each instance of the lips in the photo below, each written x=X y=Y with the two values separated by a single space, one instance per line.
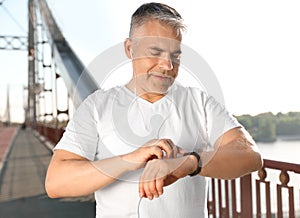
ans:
x=160 y=76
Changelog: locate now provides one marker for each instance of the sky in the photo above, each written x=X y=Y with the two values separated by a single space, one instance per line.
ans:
x=253 y=47
x=13 y=64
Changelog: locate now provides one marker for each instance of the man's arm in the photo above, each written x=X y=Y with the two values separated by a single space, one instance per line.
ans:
x=236 y=156
x=71 y=175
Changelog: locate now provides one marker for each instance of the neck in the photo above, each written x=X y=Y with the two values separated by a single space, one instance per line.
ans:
x=152 y=97
x=142 y=93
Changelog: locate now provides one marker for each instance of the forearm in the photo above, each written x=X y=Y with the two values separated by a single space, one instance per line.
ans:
x=69 y=178
x=235 y=159
x=72 y=175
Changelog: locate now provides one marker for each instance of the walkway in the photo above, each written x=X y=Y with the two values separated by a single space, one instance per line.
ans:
x=22 y=192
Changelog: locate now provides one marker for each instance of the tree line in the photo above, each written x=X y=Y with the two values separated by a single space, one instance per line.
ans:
x=267 y=127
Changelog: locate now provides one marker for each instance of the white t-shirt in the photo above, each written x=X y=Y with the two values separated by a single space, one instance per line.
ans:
x=115 y=122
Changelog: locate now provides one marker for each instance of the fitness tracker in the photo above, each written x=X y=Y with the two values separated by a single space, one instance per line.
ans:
x=199 y=167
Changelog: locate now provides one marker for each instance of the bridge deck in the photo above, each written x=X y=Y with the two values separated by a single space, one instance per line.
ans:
x=22 y=192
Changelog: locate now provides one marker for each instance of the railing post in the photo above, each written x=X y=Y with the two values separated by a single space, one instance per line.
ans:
x=246 y=197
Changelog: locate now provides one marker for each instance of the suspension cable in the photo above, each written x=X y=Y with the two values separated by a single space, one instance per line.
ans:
x=12 y=17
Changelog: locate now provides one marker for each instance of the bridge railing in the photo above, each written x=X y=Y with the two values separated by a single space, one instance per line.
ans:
x=266 y=193
x=51 y=133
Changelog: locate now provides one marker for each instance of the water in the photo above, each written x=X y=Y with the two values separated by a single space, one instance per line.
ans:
x=286 y=151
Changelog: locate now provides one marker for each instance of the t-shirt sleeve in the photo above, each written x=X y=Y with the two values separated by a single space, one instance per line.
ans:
x=81 y=135
x=218 y=119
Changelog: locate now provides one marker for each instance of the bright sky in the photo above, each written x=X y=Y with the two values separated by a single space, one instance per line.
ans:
x=253 y=47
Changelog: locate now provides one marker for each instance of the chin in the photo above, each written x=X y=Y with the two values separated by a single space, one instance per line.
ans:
x=162 y=89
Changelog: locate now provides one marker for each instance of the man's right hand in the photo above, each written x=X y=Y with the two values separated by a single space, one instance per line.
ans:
x=153 y=149
x=71 y=175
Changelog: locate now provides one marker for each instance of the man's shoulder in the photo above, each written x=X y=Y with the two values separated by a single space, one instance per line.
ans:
x=100 y=97
x=105 y=92
x=108 y=91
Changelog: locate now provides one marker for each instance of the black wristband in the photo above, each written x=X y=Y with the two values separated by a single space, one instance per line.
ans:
x=199 y=167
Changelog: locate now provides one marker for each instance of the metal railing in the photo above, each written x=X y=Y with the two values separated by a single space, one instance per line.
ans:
x=51 y=134
x=230 y=198
x=268 y=195
x=286 y=204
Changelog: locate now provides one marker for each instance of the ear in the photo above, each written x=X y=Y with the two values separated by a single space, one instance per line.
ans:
x=128 y=48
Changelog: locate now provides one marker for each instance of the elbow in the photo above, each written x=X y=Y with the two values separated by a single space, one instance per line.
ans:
x=251 y=164
x=257 y=162
x=51 y=189
x=51 y=194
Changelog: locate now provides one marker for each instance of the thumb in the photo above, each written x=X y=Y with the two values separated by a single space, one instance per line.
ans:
x=180 y=150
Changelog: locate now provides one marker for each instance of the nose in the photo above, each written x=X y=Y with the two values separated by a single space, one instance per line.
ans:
x=166 y=63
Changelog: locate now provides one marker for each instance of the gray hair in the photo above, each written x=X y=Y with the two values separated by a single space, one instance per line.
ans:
x=158 y=11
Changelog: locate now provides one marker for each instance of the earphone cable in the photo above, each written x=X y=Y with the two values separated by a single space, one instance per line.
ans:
x=138 y=208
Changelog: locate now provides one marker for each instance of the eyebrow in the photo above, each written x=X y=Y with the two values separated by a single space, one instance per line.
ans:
x=162 y=50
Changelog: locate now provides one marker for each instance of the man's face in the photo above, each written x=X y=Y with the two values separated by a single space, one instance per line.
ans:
x=155 y=50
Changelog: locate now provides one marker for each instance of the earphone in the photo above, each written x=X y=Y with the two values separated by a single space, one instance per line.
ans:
x=130 y=51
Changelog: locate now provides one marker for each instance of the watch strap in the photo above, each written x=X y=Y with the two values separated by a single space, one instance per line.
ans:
x=199 y=167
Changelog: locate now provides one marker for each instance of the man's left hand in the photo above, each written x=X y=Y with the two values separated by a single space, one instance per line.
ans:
x=162 y=172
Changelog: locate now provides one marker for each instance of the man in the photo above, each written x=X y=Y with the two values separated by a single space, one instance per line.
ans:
x=180 y=135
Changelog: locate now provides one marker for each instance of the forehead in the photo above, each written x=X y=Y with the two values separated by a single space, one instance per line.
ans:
x=155 y=42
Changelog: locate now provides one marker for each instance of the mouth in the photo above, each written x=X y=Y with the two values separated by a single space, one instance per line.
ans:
x=161 y=76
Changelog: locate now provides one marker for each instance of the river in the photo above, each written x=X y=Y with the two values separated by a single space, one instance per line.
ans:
x=286 y=151
x=281 y=150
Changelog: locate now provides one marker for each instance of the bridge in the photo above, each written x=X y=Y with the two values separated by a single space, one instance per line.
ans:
x=25 y=150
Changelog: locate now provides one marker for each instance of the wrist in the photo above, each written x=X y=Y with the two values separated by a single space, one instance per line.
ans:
x=196 y=164
x=129 y=164
x=193 y=163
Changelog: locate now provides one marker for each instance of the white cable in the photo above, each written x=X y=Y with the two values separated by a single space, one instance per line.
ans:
x=138 y=208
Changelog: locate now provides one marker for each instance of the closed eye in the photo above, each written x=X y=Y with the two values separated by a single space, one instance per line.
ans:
x=155 y=51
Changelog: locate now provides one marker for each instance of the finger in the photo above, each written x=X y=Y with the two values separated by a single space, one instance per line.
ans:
x=159 y=182
x=147 y=185
x=164 y=145
x=142 y=193
x=150 y=189
x=171 y=151
x=141 y=186
x=157 y=152
x=174 y=148
x=160 y=178
x=180 y=150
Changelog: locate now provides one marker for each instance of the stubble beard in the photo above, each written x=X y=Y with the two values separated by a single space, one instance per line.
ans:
x=157 y=87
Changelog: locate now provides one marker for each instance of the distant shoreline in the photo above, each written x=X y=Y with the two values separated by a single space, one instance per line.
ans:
x=288 y=137
x=281 y=138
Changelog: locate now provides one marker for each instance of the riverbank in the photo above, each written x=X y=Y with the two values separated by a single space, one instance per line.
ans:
x=288 y=138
